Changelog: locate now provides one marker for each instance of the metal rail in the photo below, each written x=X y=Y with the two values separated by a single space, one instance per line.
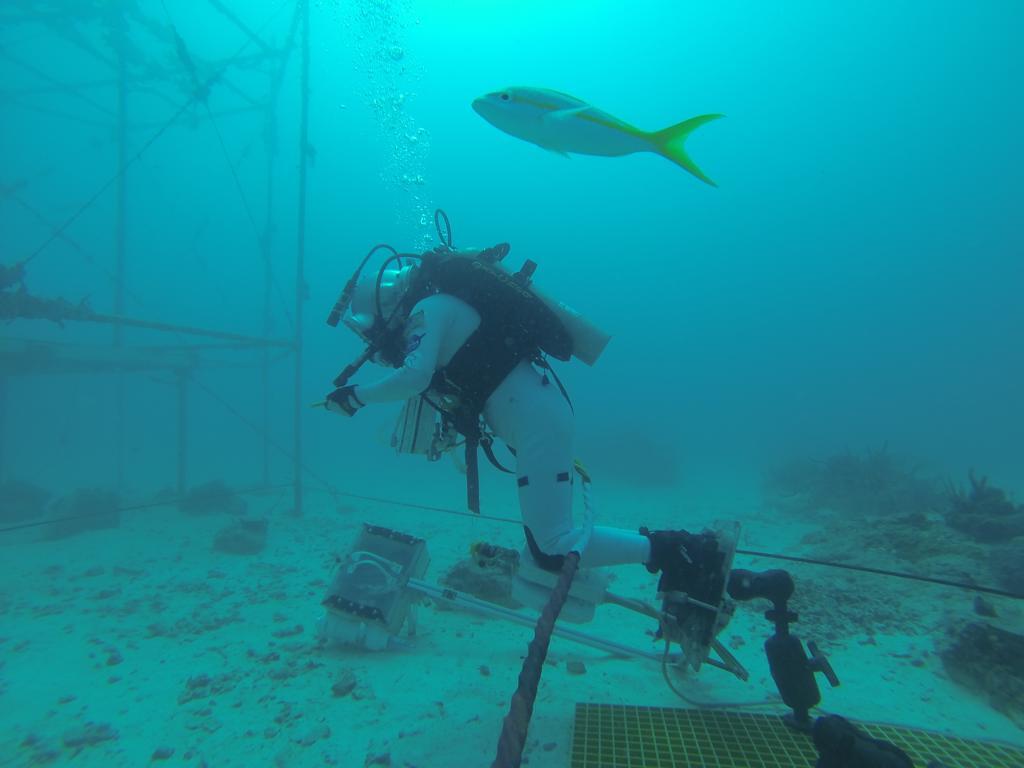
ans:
x=457 y=599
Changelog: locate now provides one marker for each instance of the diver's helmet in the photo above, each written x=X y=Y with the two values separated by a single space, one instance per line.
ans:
x=376 y=297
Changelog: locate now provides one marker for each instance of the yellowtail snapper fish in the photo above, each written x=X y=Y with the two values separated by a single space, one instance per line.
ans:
x=562 y=124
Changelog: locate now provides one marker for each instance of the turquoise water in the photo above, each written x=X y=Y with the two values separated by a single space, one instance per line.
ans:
x=853 y=285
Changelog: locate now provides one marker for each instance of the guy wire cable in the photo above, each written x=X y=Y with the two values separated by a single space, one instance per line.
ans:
x=201 y=91
x=336 y=494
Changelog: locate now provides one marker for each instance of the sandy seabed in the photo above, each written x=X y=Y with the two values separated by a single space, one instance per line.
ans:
x=142 y=645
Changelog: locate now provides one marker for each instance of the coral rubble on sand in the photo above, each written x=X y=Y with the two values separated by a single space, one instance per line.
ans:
x=245 y=537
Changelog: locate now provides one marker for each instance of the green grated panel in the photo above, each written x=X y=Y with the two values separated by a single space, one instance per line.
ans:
x=612 y=736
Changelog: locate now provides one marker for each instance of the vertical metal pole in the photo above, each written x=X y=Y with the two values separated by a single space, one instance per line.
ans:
x=182 y=432
x=300 y=256
x=268 y=237
x=119 y=242
x=268 y=240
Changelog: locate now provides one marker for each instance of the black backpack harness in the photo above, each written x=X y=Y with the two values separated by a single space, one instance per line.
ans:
x=515 y=325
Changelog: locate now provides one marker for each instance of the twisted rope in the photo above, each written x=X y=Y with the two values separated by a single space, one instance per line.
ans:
x=517 y=721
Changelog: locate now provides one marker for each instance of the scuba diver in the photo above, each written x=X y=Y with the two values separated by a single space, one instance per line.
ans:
x=471 y=339
x=469 y=343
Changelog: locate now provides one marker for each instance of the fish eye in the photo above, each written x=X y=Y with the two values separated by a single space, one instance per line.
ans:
x=505 y=97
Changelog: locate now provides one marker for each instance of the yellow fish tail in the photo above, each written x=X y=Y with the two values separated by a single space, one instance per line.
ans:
x=669 y=142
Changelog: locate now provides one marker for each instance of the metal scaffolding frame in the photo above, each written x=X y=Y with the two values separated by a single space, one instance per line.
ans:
x=27 y=357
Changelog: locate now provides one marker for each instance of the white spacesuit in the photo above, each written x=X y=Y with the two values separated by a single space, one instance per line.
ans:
x=527 y=411
x=524 y=407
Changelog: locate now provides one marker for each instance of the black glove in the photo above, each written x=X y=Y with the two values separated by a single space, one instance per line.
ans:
x=343 y=400
x=841 y=745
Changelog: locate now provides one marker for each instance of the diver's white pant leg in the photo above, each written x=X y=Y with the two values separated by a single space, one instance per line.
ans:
x=530 y=412
x=540 y=422
x=606 y=546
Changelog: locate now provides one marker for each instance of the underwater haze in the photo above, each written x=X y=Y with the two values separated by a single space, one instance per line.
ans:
x=849 y=299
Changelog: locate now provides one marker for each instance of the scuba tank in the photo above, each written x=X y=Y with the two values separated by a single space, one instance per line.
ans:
x=586 y=339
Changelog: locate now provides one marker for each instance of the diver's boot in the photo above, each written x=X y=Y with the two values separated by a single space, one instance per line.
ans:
x=688 y=562
x=694 y=568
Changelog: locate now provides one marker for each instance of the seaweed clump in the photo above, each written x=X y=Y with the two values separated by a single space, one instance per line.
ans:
x=875 y=484
x=987 y=515
x=984 y=512
x=213 y=498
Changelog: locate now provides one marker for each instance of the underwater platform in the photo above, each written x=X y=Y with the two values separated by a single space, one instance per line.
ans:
x=617 y=736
